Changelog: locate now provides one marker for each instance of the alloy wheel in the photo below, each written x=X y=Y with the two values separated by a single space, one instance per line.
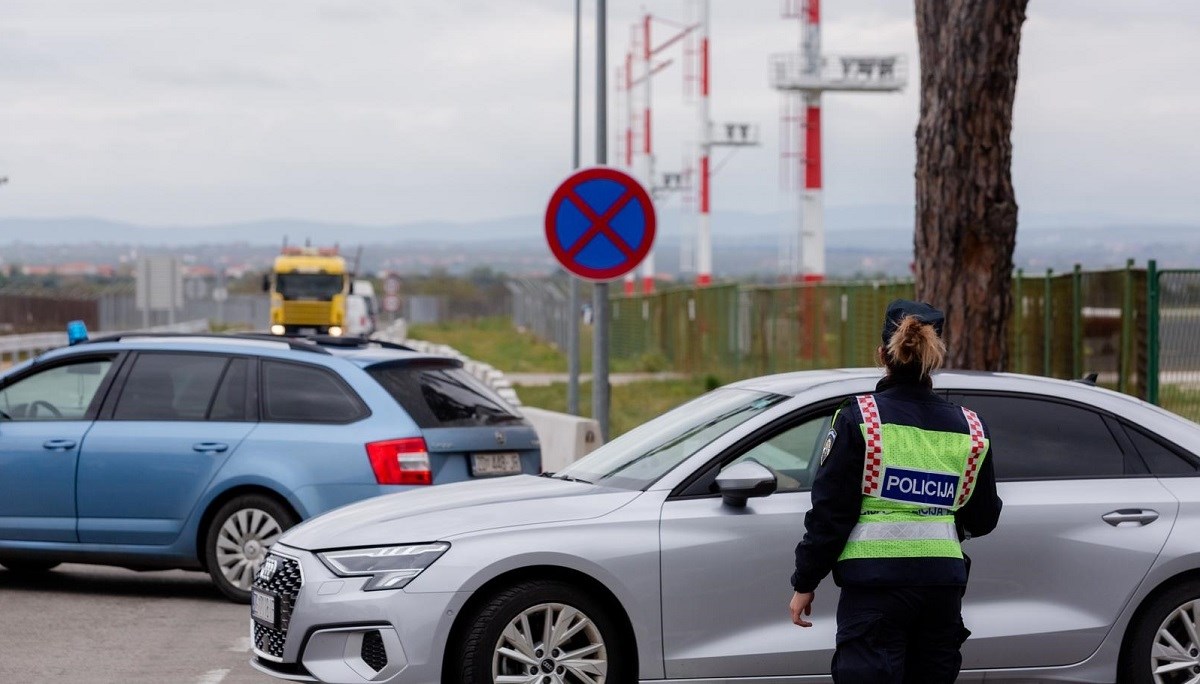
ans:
x=242 y=544
x=1175 y=654
x=550 y=643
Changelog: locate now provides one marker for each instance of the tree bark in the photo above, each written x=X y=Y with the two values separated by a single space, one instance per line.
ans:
x=966 y=218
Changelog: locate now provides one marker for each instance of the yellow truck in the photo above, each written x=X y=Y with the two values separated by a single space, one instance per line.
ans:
x=308 y=287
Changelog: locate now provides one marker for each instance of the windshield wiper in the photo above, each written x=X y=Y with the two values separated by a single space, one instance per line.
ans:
x=568 y=478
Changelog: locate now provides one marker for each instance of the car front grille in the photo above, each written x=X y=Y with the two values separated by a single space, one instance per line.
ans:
x=307 y=313
x=373 y=652
x=285 y=584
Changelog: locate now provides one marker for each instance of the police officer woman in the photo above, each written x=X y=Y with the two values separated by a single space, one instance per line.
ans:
x=904 y=477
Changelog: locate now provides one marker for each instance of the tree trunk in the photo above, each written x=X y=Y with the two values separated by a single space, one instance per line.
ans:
x=966 y=222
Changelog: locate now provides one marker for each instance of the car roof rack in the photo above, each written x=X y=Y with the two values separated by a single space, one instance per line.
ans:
x=296 y=343
x=338 y=341
x=355 y=342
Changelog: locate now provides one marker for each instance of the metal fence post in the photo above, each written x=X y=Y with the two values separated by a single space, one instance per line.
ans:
x=1126 y=329
x=1018 y=307
x=1152 y=351
x=1047 y=323
x=1077 y=322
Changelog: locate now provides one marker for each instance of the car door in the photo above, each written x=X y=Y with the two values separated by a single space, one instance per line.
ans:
x=154 y=450
x=726 y=571
x=45 y=414
x=1082 y=524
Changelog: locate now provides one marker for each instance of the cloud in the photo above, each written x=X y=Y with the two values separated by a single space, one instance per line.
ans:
x=379 y=111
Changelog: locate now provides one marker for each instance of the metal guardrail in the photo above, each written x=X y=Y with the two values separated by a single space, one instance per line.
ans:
x=15 y=348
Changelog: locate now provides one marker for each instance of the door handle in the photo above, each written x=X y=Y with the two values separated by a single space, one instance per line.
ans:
x=210 y=447
x=1130 y=515
x=59 y=444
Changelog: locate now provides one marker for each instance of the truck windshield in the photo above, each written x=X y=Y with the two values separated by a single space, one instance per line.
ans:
x=311 y=286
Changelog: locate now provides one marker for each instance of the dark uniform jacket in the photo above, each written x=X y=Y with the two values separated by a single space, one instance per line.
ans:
x=837 y=497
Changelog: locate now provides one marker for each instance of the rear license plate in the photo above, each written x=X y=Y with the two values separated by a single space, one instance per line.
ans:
x=492 y=465
x=264 y=608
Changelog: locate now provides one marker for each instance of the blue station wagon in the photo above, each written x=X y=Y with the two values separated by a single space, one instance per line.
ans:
x=197 y=452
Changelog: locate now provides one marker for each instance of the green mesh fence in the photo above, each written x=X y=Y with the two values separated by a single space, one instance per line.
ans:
x=1178 y=344
x=1063 y=325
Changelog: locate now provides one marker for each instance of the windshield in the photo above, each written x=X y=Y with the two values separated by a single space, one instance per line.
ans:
x=311 y=286
x=639 y=457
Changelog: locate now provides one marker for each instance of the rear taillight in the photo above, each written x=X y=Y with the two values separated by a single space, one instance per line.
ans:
x=400 y=462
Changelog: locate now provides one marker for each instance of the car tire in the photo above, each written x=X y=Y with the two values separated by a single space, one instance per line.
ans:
x=1166 y=614
x=19 y=566
x=238 y=538
x=495 y=643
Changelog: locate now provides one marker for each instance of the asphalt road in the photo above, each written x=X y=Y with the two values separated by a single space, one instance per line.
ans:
x=95 y=625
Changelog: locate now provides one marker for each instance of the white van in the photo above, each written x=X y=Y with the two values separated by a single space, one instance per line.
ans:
x=360 y=321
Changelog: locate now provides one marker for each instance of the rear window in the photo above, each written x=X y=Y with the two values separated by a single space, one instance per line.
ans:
x=301 y=393
x=437 y=394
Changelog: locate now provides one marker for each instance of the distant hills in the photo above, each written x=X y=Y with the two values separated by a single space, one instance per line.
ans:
x=861 y=240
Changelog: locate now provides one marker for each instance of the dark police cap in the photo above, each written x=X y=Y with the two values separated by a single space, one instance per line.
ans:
x=899 y=309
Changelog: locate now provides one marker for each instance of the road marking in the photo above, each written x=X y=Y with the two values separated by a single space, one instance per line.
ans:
x=241 y=646
x=212 y=677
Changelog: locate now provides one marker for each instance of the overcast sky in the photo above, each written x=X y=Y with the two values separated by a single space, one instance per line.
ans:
x=387 y=111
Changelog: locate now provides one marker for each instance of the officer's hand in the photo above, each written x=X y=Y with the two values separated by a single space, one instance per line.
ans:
x=801 y=605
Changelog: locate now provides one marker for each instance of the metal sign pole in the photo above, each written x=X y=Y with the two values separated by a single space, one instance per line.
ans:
x=573 y=288
x=600 y=394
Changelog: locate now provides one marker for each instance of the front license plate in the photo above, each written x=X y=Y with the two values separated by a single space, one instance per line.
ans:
x=264 y=608
x=491 y=465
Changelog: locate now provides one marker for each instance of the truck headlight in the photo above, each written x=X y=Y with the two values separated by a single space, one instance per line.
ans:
x=389 y=567
x=278 y=329
x=335 y=330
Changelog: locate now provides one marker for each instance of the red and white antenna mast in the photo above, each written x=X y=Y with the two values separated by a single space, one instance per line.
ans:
x=648 y=71
x=704 y=260
x=710 y=136
x=803 y=77
x=639 y=149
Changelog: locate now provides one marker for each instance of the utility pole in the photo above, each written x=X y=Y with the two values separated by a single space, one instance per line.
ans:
x=573 y=286
x=600 y=394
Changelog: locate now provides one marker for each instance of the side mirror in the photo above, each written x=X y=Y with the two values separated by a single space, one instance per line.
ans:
x=266 y=285
x=745 y=480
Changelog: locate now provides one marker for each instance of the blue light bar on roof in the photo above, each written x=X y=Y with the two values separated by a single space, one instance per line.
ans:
x=76 y=332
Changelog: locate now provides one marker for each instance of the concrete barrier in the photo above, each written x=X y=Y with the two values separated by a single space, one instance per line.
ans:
x=565 y=438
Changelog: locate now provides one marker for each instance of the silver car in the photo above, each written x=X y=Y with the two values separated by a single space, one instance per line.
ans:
x=665 y=555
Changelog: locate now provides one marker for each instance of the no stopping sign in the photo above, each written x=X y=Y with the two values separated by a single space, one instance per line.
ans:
x=600 y=223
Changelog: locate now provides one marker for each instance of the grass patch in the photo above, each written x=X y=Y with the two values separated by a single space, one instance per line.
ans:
x=1184 y=400
x=495 y=341
x=632 y=404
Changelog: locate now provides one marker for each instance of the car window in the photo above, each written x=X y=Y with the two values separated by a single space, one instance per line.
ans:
x=170 y=387
x=791 y=454
x=229 y=403
x=60 y=393
x=1161 y=459
x=437 y=394
x=300 y=393
x=1039 y=439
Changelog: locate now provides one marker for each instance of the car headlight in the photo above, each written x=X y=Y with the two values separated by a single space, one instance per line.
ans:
x=389 y=567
